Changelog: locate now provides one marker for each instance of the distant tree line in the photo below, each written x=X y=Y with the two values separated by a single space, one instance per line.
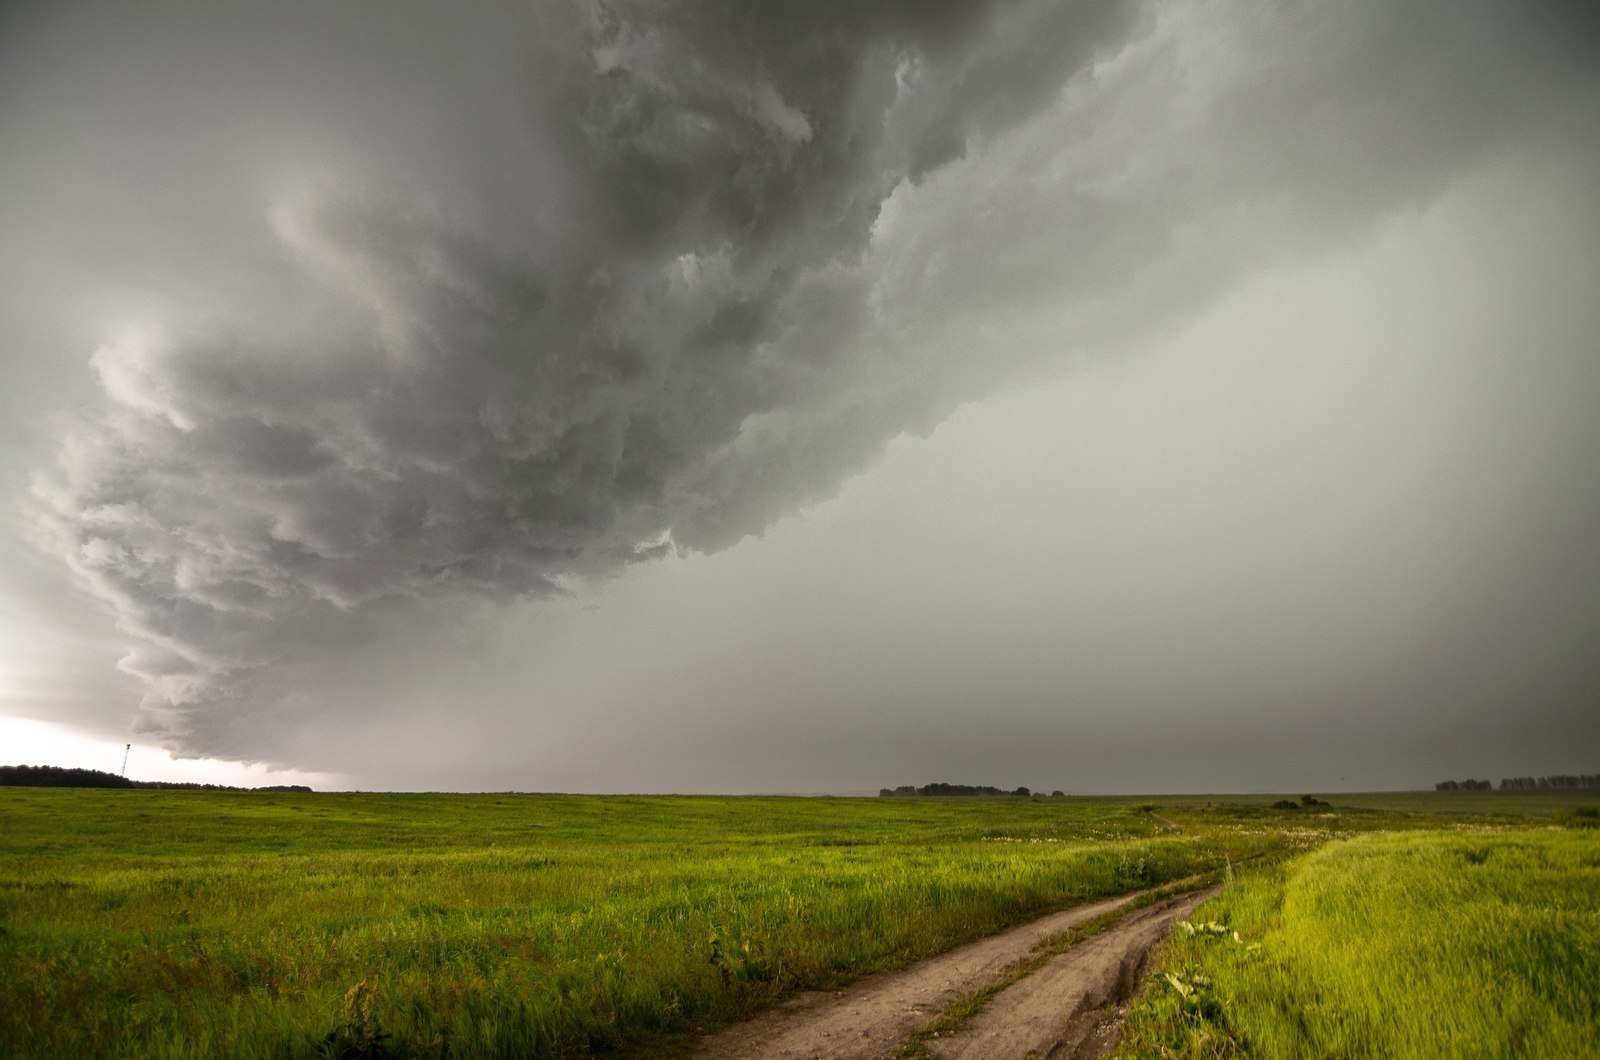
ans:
x=958 y=789
x=61 y=777
x=1564 y=780
x=1587 y=780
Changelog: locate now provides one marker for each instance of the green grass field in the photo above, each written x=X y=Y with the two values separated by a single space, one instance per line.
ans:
x=157 y=923
x=1466 y=943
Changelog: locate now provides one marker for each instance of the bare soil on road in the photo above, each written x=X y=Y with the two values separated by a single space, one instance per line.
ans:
x=1062 y=1009
x=1069 y=1008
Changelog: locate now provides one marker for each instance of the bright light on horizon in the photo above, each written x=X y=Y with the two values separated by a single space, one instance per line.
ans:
x=24 y=741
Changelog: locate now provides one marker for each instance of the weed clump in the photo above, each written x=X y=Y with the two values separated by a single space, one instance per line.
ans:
x=359 y=1033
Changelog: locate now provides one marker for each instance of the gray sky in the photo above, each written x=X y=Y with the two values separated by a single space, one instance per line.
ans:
x=803 y=396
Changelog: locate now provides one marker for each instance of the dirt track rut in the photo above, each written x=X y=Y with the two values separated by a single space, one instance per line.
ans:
x=1066 y=1008
x=872 y=1018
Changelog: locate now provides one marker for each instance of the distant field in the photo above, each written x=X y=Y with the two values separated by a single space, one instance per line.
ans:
x=1463 y=943
x=1511 y=804
x=201 y=923
x=1479 y=805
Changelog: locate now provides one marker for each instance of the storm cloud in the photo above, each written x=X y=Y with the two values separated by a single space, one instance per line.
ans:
x=496 y=308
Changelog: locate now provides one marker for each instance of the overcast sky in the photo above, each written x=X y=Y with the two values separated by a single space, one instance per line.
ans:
x=802 y=396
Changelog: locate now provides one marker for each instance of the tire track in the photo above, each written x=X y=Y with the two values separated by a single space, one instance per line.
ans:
x=1067 y=1008
x=874 y=1017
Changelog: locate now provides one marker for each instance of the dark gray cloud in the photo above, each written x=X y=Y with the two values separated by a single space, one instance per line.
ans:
x=489 y=304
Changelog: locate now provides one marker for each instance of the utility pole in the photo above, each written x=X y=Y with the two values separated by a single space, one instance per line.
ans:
x=125 y=751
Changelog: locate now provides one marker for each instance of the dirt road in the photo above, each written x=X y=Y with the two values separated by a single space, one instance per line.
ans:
x=1052 y=1012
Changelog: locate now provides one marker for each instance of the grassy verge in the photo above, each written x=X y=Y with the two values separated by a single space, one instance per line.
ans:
x=1461 y=943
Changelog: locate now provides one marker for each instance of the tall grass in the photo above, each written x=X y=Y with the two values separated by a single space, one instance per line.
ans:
x=1459 y=944
x=202 y=924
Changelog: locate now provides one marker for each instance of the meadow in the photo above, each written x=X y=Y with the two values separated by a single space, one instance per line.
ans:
x=157 y=923
x=1476 y=942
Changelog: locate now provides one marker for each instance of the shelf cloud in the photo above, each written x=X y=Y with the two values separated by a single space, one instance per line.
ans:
x=494 y=311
